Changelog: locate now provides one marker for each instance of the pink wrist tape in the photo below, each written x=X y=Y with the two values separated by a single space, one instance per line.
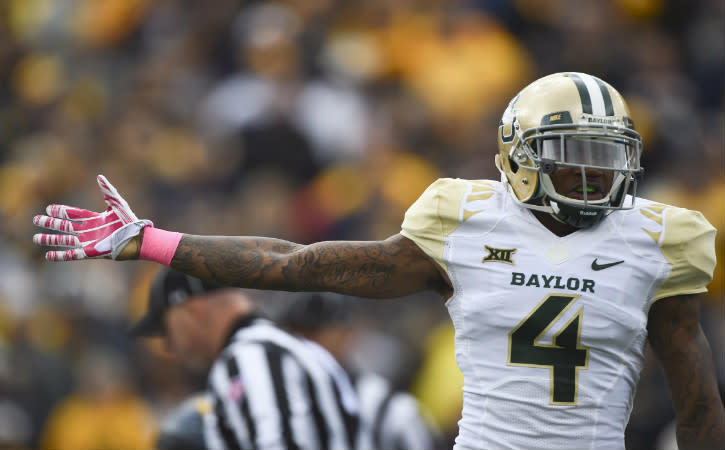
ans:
x=159 y=245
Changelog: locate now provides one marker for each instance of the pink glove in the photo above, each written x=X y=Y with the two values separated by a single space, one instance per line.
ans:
x=89 y=234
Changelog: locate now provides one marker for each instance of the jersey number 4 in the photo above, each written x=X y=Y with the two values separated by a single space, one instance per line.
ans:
x=563 y=358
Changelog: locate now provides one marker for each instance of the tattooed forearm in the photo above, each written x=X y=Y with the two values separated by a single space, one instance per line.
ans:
x=350 y=267
x=231 y=261
x=678 y=341
x=390 y=268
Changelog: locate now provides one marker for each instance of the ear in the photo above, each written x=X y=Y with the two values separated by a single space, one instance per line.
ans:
x=195 y=306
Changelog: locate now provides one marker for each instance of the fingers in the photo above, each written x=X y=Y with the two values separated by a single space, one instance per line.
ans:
x=65 y=255
x=69 y=212
x=115 y=201
x=56 y=240
x=52 y=223
x=92 y=222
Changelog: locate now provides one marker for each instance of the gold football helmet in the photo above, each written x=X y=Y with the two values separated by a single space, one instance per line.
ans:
x=569 y=120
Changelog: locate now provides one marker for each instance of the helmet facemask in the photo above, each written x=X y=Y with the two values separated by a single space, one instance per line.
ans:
x=606 y=157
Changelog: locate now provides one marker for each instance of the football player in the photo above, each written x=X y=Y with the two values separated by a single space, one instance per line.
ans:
x=554 y=277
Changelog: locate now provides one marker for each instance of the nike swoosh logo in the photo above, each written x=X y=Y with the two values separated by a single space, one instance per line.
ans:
x=596 y=266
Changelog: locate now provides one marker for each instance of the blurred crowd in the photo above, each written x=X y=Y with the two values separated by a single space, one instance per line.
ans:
x=304 y=120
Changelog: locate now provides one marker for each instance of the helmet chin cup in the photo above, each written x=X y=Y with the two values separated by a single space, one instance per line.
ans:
x=575 y=216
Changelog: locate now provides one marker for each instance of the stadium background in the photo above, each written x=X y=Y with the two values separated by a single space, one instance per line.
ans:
x=304 y=120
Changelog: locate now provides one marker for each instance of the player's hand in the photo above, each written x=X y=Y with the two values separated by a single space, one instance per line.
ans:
x=86 y=234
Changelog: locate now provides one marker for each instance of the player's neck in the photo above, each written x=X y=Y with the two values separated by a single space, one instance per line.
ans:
x=558 y=228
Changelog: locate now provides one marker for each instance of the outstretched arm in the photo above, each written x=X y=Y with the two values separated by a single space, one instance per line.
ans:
x=677 y=340
x=391 y=268
x=377 y=269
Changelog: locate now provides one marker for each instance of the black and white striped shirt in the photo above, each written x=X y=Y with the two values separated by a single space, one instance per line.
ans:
x=272 y=390
x=390 y=419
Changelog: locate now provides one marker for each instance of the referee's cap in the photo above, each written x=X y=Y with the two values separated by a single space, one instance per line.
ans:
x=313 y=311
x=168 y=288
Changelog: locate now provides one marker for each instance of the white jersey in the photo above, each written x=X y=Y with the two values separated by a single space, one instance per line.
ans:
x=550 y=331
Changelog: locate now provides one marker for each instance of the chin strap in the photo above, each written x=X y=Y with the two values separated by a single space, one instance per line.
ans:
x=576 y=217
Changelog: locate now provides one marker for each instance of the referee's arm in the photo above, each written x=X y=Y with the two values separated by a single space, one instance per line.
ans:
x=264 y=399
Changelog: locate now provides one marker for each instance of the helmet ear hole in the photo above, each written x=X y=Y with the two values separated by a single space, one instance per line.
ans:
x=514 y=165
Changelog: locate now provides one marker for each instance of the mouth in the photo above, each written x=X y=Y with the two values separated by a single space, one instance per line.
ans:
x=594 y=192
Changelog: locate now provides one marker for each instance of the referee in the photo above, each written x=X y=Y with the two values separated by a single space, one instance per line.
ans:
x=268 y=389
x=389 y=418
